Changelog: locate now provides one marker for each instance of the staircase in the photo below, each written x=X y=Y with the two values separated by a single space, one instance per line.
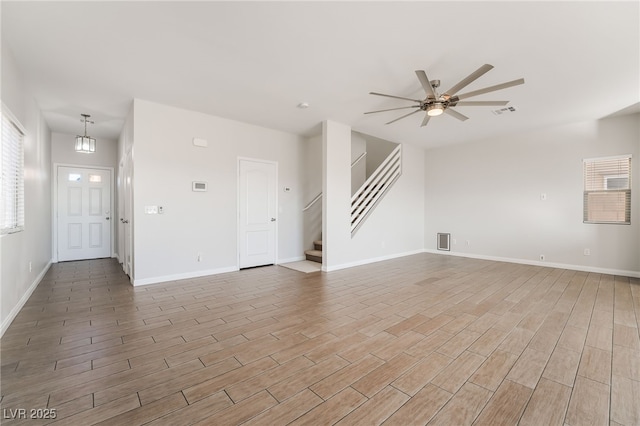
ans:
x=315 y=255
x=365 y=199
x=374 y=188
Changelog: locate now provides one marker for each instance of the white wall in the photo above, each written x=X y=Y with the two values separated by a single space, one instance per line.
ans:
x=377 y=151
x=33 y=245
x=489 y=193
x=395 y=227
x=63 y=152
x=166 y=163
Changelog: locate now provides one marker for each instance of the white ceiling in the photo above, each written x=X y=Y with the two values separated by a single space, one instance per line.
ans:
x=255 y=61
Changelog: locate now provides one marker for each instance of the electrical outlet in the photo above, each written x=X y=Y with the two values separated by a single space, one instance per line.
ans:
x=468 y=242
x=542 y=257
x=30 y=267
x=454 y=241
x=199 y=257
x=587 y=252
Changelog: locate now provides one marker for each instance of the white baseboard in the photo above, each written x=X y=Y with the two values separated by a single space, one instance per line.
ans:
x=185 y=276
x=291 y=259
x=16 y=309
x=370 y=260
x=619 y=272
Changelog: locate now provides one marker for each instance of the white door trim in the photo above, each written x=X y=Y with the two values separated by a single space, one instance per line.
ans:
x=238 y=236
x=54 y=206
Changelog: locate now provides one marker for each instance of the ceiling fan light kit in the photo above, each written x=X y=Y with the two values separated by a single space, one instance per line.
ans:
x=435 y=110
x=434 y=104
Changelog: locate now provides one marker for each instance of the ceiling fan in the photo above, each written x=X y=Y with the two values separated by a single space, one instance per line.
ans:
x=435 y=104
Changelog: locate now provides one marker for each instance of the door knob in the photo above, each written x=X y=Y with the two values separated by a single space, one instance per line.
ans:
x=273 y=219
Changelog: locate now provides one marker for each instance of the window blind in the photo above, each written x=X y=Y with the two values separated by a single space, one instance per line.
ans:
x=607 y=190
x=12 y=176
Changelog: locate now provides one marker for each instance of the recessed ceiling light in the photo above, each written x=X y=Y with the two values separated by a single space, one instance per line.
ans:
x=303 y=105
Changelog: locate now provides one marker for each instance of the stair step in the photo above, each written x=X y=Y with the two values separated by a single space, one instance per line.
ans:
x=318 y=245
x=314 y=255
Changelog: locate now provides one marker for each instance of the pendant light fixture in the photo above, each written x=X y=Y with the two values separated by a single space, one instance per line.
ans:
x=85 y=143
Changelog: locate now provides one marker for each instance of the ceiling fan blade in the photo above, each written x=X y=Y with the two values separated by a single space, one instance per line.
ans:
x=469 y=79
x=396 y=97
x=425 y=121
x=393 y=109
x=426 y=85
x=482 y=103
x=456 y=114
x=492 y=88
x=400 y=118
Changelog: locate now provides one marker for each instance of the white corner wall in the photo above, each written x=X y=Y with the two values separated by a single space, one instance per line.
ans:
x=396 y=226
x=26 y=256
x=166 y=162
x=489 y=194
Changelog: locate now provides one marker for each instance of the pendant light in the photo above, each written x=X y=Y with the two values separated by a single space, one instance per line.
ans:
x=85 y=143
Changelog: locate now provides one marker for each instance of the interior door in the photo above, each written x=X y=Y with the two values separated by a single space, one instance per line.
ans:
x=84 y=213
x=126 y=216
x=257 y=213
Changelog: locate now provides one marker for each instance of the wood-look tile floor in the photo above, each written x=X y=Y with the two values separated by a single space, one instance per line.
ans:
x=425 y=339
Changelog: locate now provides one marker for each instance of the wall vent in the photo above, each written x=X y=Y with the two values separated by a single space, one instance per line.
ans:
x=504 y=110
x=443 y=241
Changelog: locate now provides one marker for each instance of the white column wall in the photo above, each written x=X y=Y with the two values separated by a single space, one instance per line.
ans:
x=395 y=227
x=336 y=187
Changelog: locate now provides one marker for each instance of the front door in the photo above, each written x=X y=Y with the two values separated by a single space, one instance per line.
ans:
x=84 y=213
x=257 y=215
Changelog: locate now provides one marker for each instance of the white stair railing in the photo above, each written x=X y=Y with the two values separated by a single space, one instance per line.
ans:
x=374 y=188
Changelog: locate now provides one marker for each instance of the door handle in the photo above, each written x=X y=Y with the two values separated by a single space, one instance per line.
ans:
x=273 y=219
x=107 y=218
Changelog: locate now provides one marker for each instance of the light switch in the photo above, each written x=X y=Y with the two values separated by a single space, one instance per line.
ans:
x=151 y=209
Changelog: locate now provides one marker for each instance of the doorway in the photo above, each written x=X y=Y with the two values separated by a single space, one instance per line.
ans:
x=257 y=207
x=83 y=213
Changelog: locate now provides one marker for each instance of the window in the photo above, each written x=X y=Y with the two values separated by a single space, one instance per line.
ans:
x=607 y=190
x=12 y=175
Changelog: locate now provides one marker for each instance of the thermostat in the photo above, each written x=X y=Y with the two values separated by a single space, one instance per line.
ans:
x=199 y=186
